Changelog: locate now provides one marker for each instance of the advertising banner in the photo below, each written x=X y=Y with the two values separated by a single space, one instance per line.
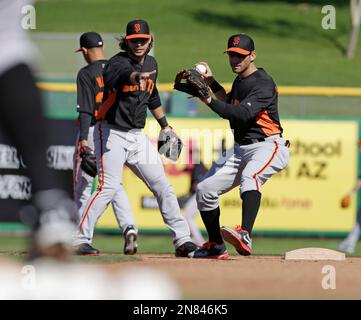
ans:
x=304 y=197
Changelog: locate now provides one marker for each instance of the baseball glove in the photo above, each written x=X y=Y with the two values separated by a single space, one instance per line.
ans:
x=194 y=85
x=169 y=144
x=345 y=202
x=88 y=161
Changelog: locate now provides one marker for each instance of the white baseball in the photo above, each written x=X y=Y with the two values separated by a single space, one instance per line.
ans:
x=201 y=68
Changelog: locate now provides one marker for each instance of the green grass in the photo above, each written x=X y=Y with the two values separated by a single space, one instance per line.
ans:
x=112 y=246
x=290 y=42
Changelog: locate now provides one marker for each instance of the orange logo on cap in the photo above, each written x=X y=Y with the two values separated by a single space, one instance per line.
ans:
x=137 y=27
x=236 y=41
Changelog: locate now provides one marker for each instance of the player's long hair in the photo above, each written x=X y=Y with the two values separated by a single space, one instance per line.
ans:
x=124 y=46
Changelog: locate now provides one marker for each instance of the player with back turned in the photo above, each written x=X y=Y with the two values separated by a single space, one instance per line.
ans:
x=251 y=107
x=130 y=76
x=90 y=91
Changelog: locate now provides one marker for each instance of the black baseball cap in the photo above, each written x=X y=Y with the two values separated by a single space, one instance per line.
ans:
x=137 y=29
x=240 y=43
x=90 y=40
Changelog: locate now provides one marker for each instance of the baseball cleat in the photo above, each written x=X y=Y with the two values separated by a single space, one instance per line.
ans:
x=130 y=241
x=52 y=237
x=85 y=249
x=211 y=250
x=239 y=238
x=187 y=249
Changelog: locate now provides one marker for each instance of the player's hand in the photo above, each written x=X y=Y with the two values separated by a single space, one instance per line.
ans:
x=146 y=75
x=167 y=128
x=83 y=145
x=208 y=75
x=141 y=77
x=207 y=100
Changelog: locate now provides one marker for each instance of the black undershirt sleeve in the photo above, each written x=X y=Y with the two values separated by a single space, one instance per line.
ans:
x=85 y=93
x=258 y=99
x=85 y=121
x=154 y=100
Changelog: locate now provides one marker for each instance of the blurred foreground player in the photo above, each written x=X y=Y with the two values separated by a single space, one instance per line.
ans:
x=22 y=120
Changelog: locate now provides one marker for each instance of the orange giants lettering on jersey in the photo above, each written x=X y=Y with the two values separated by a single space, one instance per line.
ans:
x=143 y=86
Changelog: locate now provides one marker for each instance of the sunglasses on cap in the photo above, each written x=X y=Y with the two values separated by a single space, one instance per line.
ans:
x=141 y=41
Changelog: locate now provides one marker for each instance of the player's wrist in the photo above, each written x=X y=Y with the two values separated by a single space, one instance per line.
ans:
x=209 y=80
x=207 y=100
x=163 y=122
x=215 y=86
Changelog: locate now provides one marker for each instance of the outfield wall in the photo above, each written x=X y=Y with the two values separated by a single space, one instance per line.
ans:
x=303 y=198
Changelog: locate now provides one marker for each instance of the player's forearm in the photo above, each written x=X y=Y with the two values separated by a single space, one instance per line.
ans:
x=159 y=115
x=218 y=90
x=229 y=111
x=115 y=73
x=85 y=121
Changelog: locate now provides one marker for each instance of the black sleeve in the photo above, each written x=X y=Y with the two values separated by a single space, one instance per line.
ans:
x=117 y=71
x=154 y=100
x=85 y=93
x=85 y=121
x=258 y=99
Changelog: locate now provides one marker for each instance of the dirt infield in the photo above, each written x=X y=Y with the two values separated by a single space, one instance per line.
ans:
x=255 y=277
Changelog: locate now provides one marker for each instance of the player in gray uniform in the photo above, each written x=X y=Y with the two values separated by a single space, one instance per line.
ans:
x=130 y=77
x=259 y=150
x=90 y=91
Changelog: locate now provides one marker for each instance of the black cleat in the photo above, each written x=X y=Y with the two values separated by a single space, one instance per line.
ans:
x=85 y=249
x=186 y=250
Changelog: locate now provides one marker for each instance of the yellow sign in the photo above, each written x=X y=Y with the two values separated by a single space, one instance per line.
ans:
x=304 y=197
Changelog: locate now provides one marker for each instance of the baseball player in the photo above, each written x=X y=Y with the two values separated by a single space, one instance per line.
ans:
x=130 y=76
x=349 y=243
x=90 y=91
x=22 y=120
x=259 y=150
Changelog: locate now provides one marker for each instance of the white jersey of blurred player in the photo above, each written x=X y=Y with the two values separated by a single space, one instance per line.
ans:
x=16 y=47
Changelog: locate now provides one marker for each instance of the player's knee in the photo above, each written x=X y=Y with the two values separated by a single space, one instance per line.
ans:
x=161 y=186
x=201 y=189
x=109 y=189
x=249 y=181
x=205 y=196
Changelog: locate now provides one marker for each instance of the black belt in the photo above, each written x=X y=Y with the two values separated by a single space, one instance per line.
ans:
x=250 y=141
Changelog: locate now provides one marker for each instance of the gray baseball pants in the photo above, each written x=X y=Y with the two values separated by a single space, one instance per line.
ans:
x=115 y=148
